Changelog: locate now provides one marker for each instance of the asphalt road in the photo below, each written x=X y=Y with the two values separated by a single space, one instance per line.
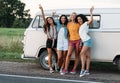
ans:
x=4 y=78
x=32 y=72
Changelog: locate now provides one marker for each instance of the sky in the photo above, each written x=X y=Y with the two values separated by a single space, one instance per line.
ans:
x=33 y=5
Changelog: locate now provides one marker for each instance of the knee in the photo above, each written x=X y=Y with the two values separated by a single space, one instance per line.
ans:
x=87 y=57
x=69 y=55
x=82 y=53
x=59 y=58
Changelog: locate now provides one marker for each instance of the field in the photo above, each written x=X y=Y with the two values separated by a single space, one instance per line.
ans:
x=10 y=43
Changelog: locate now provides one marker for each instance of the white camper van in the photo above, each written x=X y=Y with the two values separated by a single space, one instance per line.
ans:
x=105 y=33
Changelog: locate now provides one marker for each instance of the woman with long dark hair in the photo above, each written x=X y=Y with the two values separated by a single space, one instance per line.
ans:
x=50 y=29
x=62 y=42
x=87 y=42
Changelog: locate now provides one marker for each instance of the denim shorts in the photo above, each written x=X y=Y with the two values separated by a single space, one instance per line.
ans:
x=62 y=45
x=88 y=43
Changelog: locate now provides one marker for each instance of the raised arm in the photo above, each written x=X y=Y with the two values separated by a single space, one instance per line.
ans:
x=42 y=11
x=91 y=16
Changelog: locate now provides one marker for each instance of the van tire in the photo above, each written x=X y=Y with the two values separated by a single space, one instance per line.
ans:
x=118 y=64
x=43 y=59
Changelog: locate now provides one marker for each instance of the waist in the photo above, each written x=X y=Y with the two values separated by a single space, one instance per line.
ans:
x=75 y=38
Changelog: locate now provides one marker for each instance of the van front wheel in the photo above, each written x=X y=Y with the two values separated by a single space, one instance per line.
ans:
x=43 y=59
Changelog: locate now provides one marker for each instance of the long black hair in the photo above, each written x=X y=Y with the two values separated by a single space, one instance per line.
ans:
x=47 y=25
x=66 y=19
x=83 y=17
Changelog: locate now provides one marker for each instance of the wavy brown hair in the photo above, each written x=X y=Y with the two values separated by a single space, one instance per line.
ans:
x=47 y=25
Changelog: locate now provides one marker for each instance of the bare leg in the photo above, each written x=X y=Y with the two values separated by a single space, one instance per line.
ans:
x=83 y=56
x=88 y=59
x=55 y=50
x=70 y=49
x=77 y=50
x=76 y=58
x=64 y=59
x=49 y=57
x=59 y=62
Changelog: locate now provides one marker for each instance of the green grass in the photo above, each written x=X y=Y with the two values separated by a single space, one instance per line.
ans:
x=10 y=43
x=11 y=32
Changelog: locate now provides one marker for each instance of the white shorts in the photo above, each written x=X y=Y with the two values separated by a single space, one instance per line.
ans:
x=62 y=45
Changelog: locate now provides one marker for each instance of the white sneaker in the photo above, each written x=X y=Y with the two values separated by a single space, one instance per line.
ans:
x=51 y=70
x=82 y=73
x=87 y=72
x=64 y=72
x=61 y=70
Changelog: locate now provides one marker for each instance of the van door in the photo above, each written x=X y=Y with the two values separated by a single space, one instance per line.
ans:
x=34 y=38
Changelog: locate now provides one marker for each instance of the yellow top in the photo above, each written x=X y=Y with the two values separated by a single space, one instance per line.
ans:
x=73 y=29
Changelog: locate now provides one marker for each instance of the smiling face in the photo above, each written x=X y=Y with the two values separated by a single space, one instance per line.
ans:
x=63 y=19
x=80 y=21
x=49 y=20
x=72 y=16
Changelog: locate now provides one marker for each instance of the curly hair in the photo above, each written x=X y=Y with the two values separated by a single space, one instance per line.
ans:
x=83 y=17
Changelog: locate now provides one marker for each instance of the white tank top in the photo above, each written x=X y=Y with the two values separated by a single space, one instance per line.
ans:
x=83 y=32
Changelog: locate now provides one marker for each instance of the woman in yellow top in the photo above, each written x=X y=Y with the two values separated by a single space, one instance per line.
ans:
x=74 y=43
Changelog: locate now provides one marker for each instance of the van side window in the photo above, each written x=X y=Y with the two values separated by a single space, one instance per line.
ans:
x=38 y=22
x=96 y=22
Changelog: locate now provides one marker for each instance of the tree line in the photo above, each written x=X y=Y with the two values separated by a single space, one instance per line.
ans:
x=12 y=14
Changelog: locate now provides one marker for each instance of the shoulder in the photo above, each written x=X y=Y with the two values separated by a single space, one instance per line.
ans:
x=85 y=24
x=68 y=24
x=77 y=24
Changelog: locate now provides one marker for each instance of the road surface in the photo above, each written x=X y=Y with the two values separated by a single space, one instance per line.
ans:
x=5 y=78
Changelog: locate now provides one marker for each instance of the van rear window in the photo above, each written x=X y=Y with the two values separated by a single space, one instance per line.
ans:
x=96 y=22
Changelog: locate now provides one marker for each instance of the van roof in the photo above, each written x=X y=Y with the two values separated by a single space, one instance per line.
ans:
x=82 y=11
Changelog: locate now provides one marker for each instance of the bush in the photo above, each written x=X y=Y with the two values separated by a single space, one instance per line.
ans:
x=21 y=23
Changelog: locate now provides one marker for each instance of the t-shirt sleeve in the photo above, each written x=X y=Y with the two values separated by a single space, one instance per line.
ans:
x=85 y=24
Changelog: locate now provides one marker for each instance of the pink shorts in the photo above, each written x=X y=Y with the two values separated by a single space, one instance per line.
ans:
x=75 y=43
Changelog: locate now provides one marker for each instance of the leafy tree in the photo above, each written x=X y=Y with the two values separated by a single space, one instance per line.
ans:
x=10 y=10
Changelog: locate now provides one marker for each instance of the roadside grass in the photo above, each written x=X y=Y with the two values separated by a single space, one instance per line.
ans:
x=10 y=43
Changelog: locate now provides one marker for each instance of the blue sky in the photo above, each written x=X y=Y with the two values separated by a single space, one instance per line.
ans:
x=63 y=4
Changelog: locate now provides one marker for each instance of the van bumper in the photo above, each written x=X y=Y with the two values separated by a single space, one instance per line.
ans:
x=30 y=58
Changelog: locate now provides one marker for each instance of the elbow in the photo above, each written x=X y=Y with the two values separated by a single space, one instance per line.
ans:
x=90 y=21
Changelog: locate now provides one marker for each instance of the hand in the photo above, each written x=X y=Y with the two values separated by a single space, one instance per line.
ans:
x=40 y=6
x=91 y=9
